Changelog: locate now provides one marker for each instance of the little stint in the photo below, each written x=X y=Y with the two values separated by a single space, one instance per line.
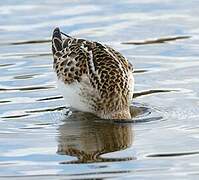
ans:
x=92 y=77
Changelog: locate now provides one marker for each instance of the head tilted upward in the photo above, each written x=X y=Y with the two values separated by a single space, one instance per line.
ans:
x=93 y=77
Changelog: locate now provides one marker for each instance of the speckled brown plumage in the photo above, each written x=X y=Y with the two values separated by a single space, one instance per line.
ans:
x=105 y=75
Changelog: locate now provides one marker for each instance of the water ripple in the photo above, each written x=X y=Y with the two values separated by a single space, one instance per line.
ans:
x=174 y=154
x=156 y=41
x=26 y=88
x=39 y=140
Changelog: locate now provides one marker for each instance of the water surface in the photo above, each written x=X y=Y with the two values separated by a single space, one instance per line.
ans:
x=37 y=141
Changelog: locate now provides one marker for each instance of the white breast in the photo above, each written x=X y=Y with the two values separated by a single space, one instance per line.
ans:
x=72 y=95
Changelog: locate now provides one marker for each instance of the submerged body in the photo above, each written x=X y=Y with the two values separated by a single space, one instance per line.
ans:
x=93 y=77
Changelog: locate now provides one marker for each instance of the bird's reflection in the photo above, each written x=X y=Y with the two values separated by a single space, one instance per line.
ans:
x=87 y=138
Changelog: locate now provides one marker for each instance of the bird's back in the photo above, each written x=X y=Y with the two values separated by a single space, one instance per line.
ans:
x=100 y=76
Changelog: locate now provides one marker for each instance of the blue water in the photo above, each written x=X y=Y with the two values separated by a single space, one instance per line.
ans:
x=37 y=141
